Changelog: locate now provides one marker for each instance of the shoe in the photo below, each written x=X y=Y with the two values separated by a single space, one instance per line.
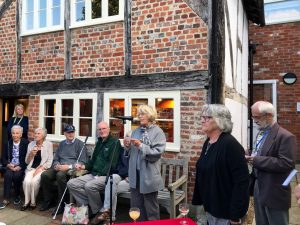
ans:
x=100 y=218
x=4 y=204
x=60 y=211
x=32 y=207
x=24 y=207
x=17 y=200
x=45 y=206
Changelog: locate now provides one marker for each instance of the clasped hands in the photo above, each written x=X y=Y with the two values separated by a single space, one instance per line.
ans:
x=13 y=167
x=128 y=141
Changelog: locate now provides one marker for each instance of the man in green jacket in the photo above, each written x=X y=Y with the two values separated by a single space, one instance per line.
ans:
x=86 y=189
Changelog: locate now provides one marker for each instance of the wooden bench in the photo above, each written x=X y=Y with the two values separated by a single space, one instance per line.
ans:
x=175 y=176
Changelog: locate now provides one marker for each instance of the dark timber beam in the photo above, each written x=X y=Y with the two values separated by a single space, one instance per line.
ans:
x=19 y=40
x=4 y=7
x=200 y=7
x=127 y=27
x=164 y=81
x=67 y=41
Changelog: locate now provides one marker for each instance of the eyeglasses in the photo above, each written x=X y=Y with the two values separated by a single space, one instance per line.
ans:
x=258 y=116
x=205 y=118
x=102 y=128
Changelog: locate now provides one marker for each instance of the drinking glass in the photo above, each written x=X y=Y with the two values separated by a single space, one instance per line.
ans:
x=184 y=210
x=134 y=213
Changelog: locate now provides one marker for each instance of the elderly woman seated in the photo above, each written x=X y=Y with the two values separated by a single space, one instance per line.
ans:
x=14 y=162
x=39 y=158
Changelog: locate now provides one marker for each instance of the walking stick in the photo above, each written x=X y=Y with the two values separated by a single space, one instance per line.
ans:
x=62 y=197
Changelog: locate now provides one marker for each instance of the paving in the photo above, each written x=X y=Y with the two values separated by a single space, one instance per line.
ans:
x=12 y=215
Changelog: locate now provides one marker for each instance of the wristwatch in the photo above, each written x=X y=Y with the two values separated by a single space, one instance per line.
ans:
x=70 y=166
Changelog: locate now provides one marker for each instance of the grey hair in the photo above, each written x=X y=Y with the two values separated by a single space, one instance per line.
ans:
x=17 y=127
x=44 y=130
x=264 y=107
x=221 y=115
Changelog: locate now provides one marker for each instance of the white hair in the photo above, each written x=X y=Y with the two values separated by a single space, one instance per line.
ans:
x=17 y=127
x=44 y=130
x=264 y=107
x=221 y=115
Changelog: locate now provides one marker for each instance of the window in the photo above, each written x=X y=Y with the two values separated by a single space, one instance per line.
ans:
x=90 y=12
x=39 y=16
x=282 y=11
x=78 y=109
x=166 y=103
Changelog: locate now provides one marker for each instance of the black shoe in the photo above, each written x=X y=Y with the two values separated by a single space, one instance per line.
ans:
x=60 y=211
x=45 y=206
x=17 y=200
x=24 y=207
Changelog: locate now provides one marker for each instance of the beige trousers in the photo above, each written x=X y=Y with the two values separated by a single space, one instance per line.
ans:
x=31 y=186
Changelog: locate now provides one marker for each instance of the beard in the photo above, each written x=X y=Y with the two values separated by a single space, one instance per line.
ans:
x=261 y=125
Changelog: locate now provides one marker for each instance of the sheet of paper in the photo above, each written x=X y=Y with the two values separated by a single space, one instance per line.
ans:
x=290 y=177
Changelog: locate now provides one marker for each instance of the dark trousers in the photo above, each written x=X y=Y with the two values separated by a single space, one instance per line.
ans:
x=48 y=179
x=12 y=177
x=147 y=203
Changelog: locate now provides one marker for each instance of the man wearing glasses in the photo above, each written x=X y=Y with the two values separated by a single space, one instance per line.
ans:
x=273 y=158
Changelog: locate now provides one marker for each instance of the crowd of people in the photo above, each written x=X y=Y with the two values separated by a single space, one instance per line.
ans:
x=222 y=170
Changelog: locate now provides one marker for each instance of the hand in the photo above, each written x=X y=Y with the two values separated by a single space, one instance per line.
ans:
x=127 y=179
x=249 y=159
x=79 y=166
x=137 y=143
x=10 y=166
x=297 y=194
x=17 y=168
x=34 y=150
x=38 y=170
x=127 y=142
x=235 y=222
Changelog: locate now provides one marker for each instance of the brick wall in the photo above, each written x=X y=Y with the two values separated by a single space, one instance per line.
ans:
x=43 y=57
x=8 y=46
x=278 y=52
x=191 y=137
x=167 y=36
x=98 y=50
x=33 y=115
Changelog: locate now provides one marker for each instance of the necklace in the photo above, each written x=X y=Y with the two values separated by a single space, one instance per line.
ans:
x=207 y=148
x=18 y=121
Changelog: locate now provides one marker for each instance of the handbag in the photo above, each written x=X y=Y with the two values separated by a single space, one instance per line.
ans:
x=75 y=215
x=252 y=179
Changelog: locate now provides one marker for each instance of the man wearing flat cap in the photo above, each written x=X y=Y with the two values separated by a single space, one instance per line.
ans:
x=64 y=160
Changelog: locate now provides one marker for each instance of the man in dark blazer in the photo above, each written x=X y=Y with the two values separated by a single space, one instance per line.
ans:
x=14 y=161
x=273 y=158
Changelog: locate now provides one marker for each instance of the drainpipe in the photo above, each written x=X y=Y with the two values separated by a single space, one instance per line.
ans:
x=127 y=26
x=252 y=50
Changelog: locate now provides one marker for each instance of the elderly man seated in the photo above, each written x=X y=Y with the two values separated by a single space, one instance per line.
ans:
x=14 y=161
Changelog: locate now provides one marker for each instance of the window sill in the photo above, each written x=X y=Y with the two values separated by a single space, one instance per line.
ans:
x=97 y=22
x=42 y=31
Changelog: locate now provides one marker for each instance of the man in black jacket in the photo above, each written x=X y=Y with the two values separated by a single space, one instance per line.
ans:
x=14 y=161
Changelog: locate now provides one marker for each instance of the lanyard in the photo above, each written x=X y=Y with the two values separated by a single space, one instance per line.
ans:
x=18 y=121
x=262 y=138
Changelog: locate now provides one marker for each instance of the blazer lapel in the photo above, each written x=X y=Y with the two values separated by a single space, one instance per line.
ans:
x=270 y=139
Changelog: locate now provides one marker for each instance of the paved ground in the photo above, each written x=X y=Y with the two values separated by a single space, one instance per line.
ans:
x=13 y=216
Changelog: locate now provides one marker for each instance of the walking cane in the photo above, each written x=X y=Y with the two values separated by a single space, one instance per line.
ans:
x=62 y=197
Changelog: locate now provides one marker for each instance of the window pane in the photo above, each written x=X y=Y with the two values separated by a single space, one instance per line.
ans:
x=43 y=4
x=168 y=128
x=67 y=107
x=29 y=21
x=96 y=9
x=64 y=122
x=56 y=3
x=165 y=108
x=116 y=107
x=29 y=4
x=86 y=107
x=80 y=10
x=113 y=7
x=85 y=127
x=50 y=125
x=116 y=128
x=50 y=107
x=42 y=18
x=56 y=16
x=262 y=92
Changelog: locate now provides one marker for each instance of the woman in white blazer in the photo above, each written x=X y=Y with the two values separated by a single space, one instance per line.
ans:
x=39 y=158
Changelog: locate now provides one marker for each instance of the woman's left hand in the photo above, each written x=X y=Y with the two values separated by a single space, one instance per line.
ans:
x=38 y=170
x=137 y=143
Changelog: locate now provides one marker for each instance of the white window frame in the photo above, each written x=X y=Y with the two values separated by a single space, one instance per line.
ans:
x=76 y=98
x=88 y=14
x=151 y=96
x=278 y=20
x=48 y=28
